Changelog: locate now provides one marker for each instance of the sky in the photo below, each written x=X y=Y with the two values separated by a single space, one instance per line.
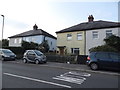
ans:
x=52 y=15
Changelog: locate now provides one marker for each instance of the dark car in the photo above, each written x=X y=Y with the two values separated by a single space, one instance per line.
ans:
x=6 y=54
x=108 y=60
x=34 y=56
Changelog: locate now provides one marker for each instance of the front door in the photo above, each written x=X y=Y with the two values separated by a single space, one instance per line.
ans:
x=61 y=51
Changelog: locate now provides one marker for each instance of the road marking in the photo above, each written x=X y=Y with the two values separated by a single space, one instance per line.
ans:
x=81 y=74
x=37 y=80
x=73 y=77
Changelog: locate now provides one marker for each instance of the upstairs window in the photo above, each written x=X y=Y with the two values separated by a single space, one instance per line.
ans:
x=69 y=36
x=108 y=33
x=95 y=34
x=79 y=36
x=15 y=40
x=20 y=40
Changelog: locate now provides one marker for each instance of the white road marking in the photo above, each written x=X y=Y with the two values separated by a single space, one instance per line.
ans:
x=37 y=80
x=73 y=77
x=81 y=74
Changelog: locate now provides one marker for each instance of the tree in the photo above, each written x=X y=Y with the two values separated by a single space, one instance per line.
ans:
x=44 y=47
x=113 y=41
x=29 y=45
x=4 y=43
x=103 y=48
x=112 y=44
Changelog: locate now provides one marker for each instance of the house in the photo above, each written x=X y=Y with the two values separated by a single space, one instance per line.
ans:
x=79 y=38
x=36 y=35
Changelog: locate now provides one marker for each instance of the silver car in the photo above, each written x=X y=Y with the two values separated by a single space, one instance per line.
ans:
x=6 y=54
x=34 y=56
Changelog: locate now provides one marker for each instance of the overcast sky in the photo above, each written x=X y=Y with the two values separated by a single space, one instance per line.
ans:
x=53 y=15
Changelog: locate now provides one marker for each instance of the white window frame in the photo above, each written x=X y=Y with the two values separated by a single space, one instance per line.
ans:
x=15 y=40
x=79 y=36
x=20 y=40
x=108 y=33
x=95 y=35
x=69 y=36
x=74 y=49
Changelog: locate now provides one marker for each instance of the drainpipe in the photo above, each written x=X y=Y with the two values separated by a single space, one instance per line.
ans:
x=84 y=42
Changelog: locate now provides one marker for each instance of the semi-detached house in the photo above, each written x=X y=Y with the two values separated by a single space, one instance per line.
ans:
x=79 y=38
x=36 y=35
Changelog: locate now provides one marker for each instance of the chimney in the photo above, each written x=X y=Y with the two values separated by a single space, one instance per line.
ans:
x=90 y=18
x=35 y=27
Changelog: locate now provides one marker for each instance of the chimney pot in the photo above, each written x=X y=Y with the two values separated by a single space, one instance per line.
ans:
x=35 y=27
x=90 y=18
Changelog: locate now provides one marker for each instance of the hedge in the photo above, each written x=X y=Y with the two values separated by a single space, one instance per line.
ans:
x=19 y=51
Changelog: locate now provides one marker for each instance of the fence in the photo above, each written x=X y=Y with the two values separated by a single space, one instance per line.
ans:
x=80 y=59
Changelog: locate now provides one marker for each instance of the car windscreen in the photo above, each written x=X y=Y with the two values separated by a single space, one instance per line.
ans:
x=7 y=51
x=38 y=53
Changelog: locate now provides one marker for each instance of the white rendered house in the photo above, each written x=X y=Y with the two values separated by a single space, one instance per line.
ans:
x=36 y=35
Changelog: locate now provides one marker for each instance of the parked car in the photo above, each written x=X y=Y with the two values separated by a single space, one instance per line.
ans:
x=34 y=56
x=97 y=60
x=6 y=54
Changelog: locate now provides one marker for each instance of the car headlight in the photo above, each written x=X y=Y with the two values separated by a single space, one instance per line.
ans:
x=6 y=56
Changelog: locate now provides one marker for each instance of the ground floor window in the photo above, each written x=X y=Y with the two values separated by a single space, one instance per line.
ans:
x=75 y=51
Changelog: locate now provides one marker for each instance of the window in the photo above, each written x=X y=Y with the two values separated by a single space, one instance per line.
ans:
x=75 y=51
x=20 y=40
x=108 y=33
x=95 y=34
x=79 y=36
x=30 y=53
x=69 y=36
x=115 y=56
x=15 y=41
x=102 y=56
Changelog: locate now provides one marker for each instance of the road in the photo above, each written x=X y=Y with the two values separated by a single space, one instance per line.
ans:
x=20 y=75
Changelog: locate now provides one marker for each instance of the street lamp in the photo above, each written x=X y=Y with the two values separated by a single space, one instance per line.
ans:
x=2 y=25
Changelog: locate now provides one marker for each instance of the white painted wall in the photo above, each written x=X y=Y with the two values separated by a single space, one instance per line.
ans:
x=90 y=42
x=52 y=43
x=36 y=39
x=16 y=42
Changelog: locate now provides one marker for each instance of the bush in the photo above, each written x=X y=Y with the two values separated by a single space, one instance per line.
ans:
x=112 y=44
x=61 y=58
x=103 y=48
x=113 y=41
x=19 y=51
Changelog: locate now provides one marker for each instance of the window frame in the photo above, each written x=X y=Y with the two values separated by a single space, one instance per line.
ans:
x=95 y=34
x=69 y=37
x=15 y=40
x=79 y=36
x=108 y=33
x=73 y=50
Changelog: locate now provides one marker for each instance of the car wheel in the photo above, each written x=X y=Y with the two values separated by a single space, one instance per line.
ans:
x=37 y=62
x=24 y=60
x=94 y=66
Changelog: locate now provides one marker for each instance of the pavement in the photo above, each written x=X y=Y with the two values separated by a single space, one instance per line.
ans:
x=77 y=67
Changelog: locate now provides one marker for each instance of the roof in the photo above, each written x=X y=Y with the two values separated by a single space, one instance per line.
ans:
x=91 y=26
x=33 y=33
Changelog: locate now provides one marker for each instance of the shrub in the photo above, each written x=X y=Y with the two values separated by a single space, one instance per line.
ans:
x=19 y=51
x=103 y=48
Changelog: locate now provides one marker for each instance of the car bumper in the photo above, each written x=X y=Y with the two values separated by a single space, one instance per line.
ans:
x=87 y=63
x=9 y=58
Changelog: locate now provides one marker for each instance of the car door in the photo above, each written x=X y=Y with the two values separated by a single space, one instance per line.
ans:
x=115 y=60
x=31 y=55
x=104 y=59
x=0 y=54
